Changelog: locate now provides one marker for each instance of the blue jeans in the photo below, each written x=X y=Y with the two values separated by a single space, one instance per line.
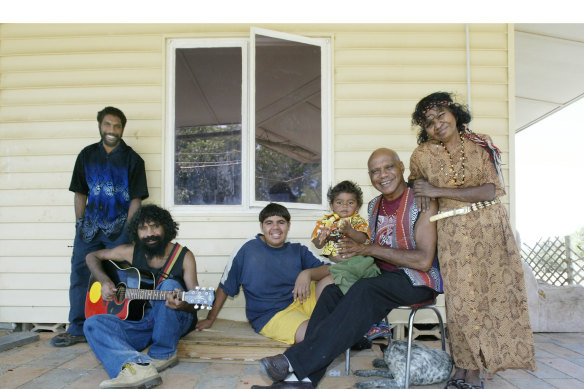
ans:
x=116 y=342
x=79 y=279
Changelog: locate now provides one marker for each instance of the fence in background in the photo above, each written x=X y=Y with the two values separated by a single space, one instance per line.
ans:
x=554 y=261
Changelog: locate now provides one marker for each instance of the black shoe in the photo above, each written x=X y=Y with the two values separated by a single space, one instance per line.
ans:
x=65 y=339
x=286 y=385
x=362 y=344
x=276 y=367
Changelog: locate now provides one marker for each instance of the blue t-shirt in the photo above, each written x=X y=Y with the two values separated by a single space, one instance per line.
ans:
x=267 y=276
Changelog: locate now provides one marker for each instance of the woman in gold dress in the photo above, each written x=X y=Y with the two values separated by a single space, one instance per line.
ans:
x=484 y=289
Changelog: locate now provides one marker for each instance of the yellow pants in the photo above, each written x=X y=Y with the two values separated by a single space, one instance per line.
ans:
x=284 y=324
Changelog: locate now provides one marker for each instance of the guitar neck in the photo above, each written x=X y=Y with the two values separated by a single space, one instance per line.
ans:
x=148 y=294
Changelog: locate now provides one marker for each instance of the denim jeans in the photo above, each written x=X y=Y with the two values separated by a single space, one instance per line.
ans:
x=116 y=342
x=79 y=279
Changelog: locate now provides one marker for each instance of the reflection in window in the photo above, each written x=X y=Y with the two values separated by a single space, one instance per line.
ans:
x=208 y=165
x=288 y=121
x=208 y=126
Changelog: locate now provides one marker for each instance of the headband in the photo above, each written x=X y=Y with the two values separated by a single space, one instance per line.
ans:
x=432 y=105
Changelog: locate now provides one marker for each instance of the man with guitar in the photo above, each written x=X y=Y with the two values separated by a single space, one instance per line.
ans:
x=117 y=342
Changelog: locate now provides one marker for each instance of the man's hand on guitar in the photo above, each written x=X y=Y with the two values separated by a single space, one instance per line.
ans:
x=173 y=302
x=108 y=290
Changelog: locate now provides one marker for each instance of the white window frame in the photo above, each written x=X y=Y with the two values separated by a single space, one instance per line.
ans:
x=248 y=202
x=326 y=99
x=190 y=43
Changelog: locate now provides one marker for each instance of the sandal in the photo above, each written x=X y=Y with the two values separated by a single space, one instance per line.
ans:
x=378 y=331
x=466 y=385
x=455 y=382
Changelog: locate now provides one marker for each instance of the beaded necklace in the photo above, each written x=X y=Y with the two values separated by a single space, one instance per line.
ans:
x=454 y=177
x=385 y=212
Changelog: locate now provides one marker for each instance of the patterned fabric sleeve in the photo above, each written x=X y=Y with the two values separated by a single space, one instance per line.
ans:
x=360 y=224
x=489 y=173
x=372 y=210
x=416 y=171
x=319 y=226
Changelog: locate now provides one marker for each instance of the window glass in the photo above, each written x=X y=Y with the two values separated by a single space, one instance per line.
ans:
x=208 y=130
x=288 y=121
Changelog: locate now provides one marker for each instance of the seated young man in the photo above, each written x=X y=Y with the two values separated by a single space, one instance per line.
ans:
x=117 y=343
x=278 y=280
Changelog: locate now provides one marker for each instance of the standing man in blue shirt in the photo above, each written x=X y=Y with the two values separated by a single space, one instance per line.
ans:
x=278 y=280
x=109 y=182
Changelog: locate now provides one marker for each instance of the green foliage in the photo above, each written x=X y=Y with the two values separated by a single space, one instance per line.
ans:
x=208 y=169
x=208 y=165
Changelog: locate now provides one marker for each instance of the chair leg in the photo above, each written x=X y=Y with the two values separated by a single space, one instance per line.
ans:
x=348 y=361
x=390 y=338
x=411 y=334
x=348 y=351
x=441 y=323
x=409 y=350
x=442 y=330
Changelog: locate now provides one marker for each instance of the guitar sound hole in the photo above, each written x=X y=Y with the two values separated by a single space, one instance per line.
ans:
x=121 y=293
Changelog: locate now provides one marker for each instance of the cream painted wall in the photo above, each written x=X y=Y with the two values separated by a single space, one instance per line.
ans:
x=55 y=77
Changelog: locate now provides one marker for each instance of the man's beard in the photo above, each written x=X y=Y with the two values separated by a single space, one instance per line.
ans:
x=153 y=250
x=108 y=143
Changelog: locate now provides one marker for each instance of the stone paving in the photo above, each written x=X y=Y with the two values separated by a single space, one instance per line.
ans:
x=560 y=361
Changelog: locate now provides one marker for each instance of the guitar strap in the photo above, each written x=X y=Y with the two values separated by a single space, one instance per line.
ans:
x=170 y=263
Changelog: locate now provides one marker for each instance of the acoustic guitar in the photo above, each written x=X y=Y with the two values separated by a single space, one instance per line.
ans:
x=134 y=288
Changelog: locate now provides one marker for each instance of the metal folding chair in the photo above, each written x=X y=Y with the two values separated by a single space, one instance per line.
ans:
x=414 y=309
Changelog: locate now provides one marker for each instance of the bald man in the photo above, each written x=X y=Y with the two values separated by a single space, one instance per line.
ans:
x=403 y=245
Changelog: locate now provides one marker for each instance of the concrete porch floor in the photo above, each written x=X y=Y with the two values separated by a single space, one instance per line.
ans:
x=560 y=360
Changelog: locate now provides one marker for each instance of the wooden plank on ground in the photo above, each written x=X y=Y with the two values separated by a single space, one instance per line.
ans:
x=220 y=353
x=17 y=339
x=228 y=341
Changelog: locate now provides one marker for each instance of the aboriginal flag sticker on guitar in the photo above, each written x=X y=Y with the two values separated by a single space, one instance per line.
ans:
x=135 y=287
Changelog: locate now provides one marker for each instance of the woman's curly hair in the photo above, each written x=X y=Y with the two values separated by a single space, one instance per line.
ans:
x=153 y=213
x=345 y=187
x=443 y=100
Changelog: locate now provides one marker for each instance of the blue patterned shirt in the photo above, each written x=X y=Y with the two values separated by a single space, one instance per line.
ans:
x=110 y=182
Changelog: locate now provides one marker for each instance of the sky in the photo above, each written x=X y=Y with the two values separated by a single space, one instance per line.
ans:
x=549 y=175
x=298 y=11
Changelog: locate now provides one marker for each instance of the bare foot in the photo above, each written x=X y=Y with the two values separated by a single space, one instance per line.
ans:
x=473 y=377
x=459 y=373
x=458 y=377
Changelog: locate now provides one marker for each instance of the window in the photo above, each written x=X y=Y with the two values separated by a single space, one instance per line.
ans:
x=242 y=135
x=207 y=126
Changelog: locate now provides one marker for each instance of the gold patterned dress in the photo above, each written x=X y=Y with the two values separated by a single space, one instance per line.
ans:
x=484 y=288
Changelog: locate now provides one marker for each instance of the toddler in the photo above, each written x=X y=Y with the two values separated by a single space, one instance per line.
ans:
x=345 y=200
